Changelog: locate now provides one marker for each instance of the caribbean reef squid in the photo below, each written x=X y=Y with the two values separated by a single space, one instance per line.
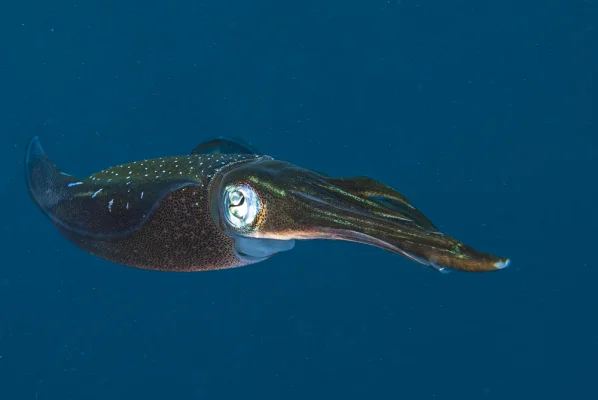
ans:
x=226 y=205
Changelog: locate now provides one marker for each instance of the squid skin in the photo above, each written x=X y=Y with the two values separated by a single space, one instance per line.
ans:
x=225 y=206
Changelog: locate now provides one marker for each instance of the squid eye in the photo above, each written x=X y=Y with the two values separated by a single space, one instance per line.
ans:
x=241 y=205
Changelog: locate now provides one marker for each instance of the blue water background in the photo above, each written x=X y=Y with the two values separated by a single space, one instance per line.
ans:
x=482 y=113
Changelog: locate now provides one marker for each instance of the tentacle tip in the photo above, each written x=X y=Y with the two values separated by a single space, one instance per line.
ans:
x=501 y=264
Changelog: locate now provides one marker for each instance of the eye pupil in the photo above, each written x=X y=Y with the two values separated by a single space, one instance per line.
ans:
x=236 y=198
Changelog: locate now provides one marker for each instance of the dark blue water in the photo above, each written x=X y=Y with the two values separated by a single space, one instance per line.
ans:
x=482 y=113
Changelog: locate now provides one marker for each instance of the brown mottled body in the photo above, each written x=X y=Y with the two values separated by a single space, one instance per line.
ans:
x=151 y=214
x=180 y=236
